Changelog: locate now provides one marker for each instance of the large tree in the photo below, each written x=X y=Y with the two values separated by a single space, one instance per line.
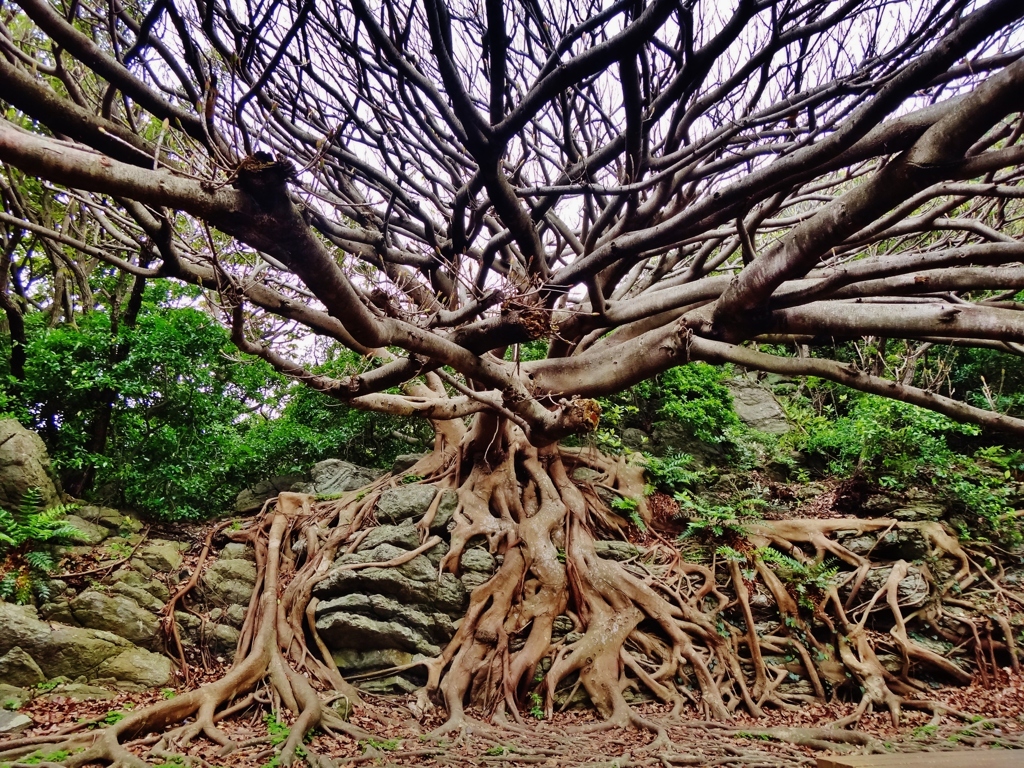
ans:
x=638 y=185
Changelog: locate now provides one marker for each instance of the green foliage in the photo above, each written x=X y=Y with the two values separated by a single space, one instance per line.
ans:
x=898 y=444
x=45 y=757
x=630 y=509
x=191 y=421
x=672 y=474
x=26 y=533
x=694 y=396
x=381 y=745
x=536 y=706
x=806 y=579
x=691 y=396
x=499 y=750
x=713 y=521
x=179 y=400
x=894 y=439
x=277 y=730
x=113 y=717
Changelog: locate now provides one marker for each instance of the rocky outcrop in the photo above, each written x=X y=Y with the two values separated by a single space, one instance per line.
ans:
x=20 y=669
x=374 y=618
x=74 y=652
x=24 y=464
x=757 y=407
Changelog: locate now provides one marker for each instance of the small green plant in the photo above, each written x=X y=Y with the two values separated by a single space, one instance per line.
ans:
x=714 y=521
x=381 y=745
x=50 y=757
x=536 y=706
x=630 y=507
x=48 y=685
x=806 y=579
x=173 y=761
x=499 y=750
x=11 y=704
x=25 y=535
x=925 y=731
x=168 y=693
x=672 y=474
x=407 y=479
x=113 y=717
x=277 y=730
x=119 y=549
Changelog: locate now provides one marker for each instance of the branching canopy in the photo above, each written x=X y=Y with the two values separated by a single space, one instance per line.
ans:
x=639 y=184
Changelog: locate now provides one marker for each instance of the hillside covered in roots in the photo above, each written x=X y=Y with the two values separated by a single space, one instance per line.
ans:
x=742 y=603
x=439 y=382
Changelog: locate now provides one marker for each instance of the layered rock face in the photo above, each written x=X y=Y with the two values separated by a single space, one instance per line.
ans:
x=374 y=618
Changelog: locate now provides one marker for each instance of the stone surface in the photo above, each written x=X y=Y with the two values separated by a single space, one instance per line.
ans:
x=13 y=697
x=229 y=582
x=919 y=512
x=19 y=669
x=12 y=722
x=24 y=464
x=336 y=476
x=133 y=578
x=117 y=614
x=404 y=502
x=435 y=627
x=138 y=666
x=160 y=555
x=363 y=632
x=350 y=660
x=445 y=511
x=73 y=652
x=89 y=533
x=472 y=579
x=235 y=550
x=405 y=461
x=617 y=550
x=223 y=639
x=82 y=692
x=141 y=597
x=251 y=499
x=235 y=615
x=404 y=536
x=478 y=560
x=110 y=518
x=445 y=594
x=417 y=569
x=912 y=590
x=757 y=407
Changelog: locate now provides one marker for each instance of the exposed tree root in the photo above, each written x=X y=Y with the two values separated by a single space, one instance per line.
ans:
x=707 y=640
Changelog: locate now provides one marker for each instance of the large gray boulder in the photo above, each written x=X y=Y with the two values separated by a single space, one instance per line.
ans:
x=335 y=476
x=18 y=668
x=404 y=503
x=161 y=555
x=229 y=581
x=251 y=499
x=73 y=652
x=24 y=464
x=445 y=594
x=118 y=614
x=342 y=623
x=88 y=533
x=757 y=407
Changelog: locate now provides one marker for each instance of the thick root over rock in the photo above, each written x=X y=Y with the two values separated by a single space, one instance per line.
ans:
x=707 y=638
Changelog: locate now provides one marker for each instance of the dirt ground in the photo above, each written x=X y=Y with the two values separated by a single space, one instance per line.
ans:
x=576 y=738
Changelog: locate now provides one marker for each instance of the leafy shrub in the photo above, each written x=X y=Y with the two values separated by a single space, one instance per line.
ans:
x=25 y=534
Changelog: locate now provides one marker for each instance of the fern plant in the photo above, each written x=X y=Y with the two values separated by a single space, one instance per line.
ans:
x=25 y=536
x=808 y=580
x=714 y=521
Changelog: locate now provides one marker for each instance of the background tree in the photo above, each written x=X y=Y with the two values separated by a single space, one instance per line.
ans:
x=434 y=186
